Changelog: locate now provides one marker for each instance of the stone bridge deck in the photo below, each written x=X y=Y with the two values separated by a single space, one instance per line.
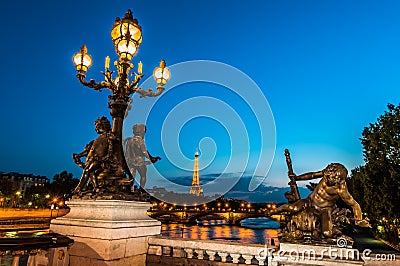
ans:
x=191 y=216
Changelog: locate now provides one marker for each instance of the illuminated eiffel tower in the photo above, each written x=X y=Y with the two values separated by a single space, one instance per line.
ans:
x=196 y=188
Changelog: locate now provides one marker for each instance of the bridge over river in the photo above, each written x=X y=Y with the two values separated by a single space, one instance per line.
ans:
x=193 y=216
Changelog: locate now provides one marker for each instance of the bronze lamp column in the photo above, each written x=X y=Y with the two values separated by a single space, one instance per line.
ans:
x=126 y=36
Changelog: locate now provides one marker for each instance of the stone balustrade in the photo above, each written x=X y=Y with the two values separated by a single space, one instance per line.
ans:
x=169 y=251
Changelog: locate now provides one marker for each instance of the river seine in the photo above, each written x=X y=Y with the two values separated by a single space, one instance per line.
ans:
x=251 y=231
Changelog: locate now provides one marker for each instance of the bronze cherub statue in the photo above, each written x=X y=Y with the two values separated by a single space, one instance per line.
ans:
x=314 y=217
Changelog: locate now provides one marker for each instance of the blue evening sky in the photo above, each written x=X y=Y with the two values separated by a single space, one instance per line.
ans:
x=326 y=68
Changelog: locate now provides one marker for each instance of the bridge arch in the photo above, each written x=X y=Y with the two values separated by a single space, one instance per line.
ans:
x=216 y=216
x=231 y=217
x=165 y=216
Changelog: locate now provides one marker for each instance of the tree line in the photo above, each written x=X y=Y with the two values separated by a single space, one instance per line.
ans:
x=376 y=185
x=54 y=193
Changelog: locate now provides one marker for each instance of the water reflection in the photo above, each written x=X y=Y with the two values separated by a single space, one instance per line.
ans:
x=251 y=231
x=22 y=233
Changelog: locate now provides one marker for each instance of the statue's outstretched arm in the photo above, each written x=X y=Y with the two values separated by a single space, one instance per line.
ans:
x=146 y=153
x=84 y=153
x=143 y=150
x=154 y=159
x=349 y=200
x=310 y=175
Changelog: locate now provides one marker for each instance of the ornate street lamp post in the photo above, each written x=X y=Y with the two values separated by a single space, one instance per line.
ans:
x=105 y=164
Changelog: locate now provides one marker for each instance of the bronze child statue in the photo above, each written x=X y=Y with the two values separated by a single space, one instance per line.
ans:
x=98 y=155
x=312 y=216
x=136 y=154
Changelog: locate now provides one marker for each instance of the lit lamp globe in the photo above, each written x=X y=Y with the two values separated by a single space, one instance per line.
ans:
x=82 y=60
x=126 y=36
x=161 y=74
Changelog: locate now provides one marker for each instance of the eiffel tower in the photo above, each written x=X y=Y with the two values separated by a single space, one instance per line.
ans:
x=196 y=188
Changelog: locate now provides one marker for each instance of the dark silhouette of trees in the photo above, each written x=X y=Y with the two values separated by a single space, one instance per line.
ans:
x=7 y=188
x=54 y=193
x=7 y=192
x=376 y=185
x=37 y=197
x=63 y=184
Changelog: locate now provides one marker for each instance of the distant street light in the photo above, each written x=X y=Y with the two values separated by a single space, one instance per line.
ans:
x=18 y=196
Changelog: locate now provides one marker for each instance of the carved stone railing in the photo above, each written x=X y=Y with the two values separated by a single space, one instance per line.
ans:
x=49 y=249
x=167 y=251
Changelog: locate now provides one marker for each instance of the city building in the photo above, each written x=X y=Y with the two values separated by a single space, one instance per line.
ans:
x=24 y=181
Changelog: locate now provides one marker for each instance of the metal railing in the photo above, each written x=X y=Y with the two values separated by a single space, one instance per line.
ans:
x=48 y=249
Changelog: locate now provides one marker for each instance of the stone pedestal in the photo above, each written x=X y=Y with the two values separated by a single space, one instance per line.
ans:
x=107 y=232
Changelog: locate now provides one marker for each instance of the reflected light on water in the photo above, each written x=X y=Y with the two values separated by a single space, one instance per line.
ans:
x=220 y=230
x=23 y=233
x=11 y=234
